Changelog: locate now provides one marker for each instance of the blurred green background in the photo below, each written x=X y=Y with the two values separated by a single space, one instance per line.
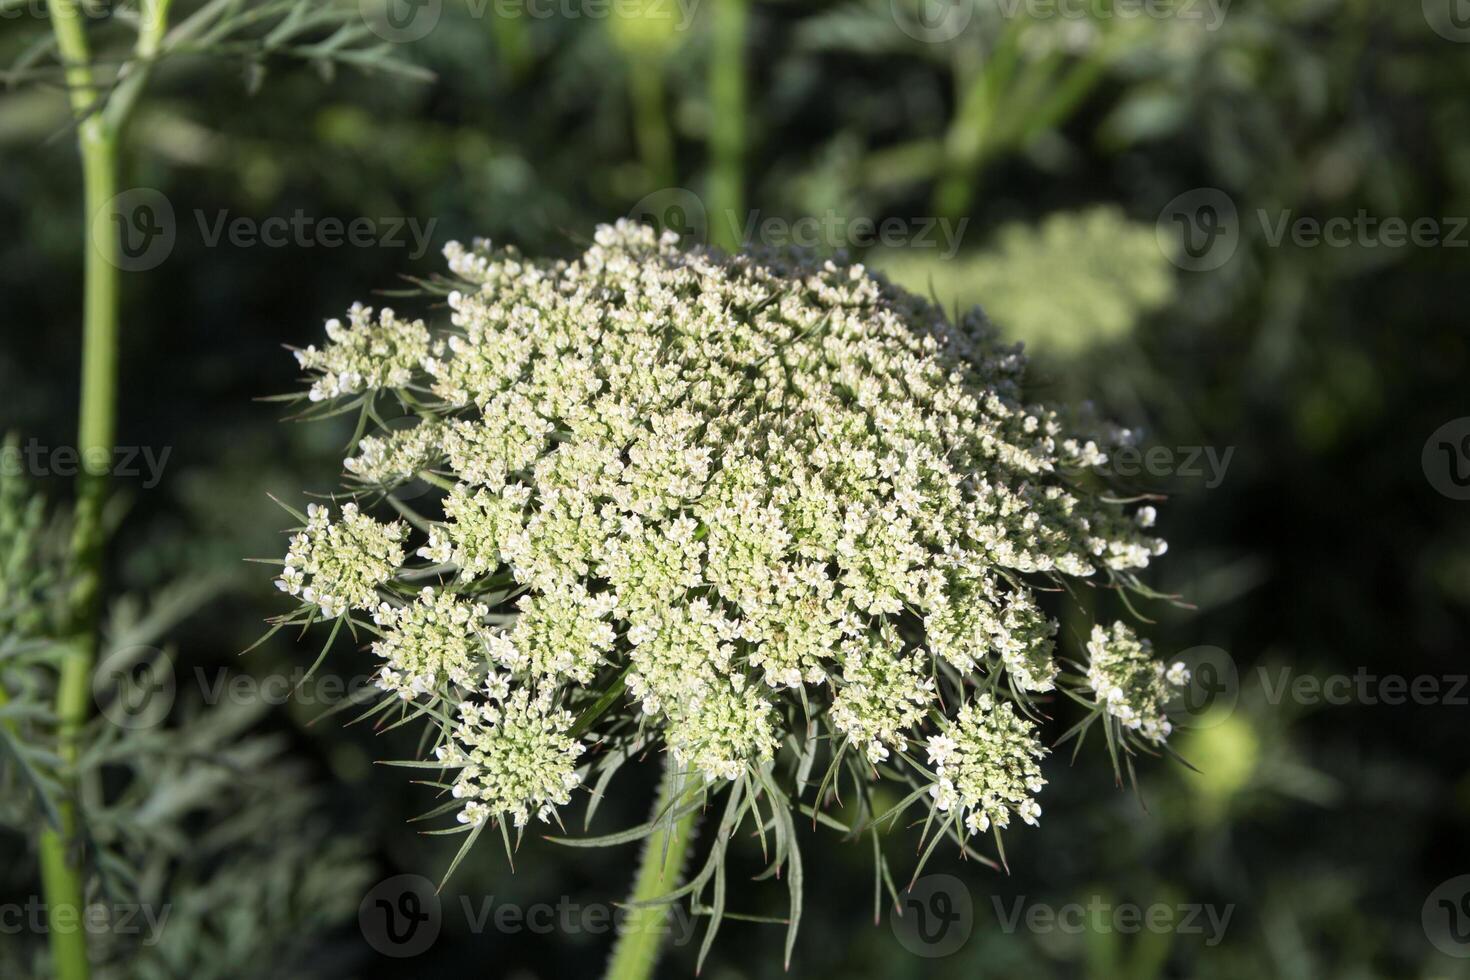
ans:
x=1128 y=188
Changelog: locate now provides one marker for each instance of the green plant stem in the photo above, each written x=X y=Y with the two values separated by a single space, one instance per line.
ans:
x=655 y=142
x=512 y=41
x=98 y=129
x=727 y=123
x=636 y=953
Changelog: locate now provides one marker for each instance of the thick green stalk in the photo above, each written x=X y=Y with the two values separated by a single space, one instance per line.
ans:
x=727 y=124
x=61 y=873
x=97 y=142
x=636 y=953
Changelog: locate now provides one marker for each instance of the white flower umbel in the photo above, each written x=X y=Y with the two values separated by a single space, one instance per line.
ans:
x=339 y=566
x=365 y=354
x=881 y=693
x=513 y=754
x=439 y=635
x=1129 y=682
x=563 y=633
x=734 y=508
x=986 y=766
x=395 y=457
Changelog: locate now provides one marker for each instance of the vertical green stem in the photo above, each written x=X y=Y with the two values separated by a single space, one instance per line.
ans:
x=982 y=86
x=61 y=873
x=655 y=142
x=727 y=123
x=636 y=953
x=97 y=140
x=512 y=41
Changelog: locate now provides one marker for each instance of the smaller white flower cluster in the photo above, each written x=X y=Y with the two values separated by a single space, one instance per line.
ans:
x=884 y=692
x=514 y=753
x=977 y=617
x=364 y=355
x=560 y=634
x=713 y=720
x=479 y=529
x=396 y=457
x=436 y=636
x=1129 y=682
x=986 y=765
x=339 y=566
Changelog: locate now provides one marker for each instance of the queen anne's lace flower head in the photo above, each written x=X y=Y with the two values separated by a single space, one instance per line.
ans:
x=717 y=506
x=514 y=755
x=1129 y=682
x=396 y=457
x=365 y=354
x=436 y=637
x=340 y=565
x=986 y=766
